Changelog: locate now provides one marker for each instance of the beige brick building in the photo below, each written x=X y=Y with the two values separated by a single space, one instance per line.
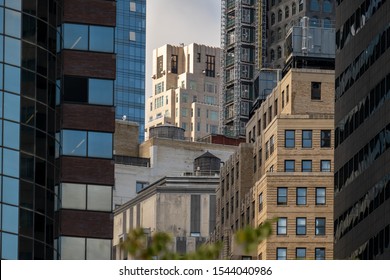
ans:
x=288 y=172
x=185 y=89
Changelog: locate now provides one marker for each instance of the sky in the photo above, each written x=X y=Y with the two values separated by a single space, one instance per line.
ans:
x=180 y=21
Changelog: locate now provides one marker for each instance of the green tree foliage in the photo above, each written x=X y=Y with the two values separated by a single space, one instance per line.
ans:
x=140 y=247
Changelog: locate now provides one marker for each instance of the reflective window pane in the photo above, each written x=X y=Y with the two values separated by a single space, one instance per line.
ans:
x=12 y=78
x=1 y=76
x=75 y=36
x=99 y=198
x=1 y=40
x=12 y=51
x=72 y=248
x=98 y=249
x=10 y=218
x=12 y=159
x=1 y=20
x=10 y=190
x=14 y=4
x=12 y=107
x=9 y=246
x=74 y=143
x=11 y=135
x=101 y=39
x=12 y=23
x=73 y=196
x=101 y=91
x=100 y=144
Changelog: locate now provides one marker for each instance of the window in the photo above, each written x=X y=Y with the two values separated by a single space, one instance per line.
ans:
x=289 y=166
x=301 y=226
x=289 y=138
x=286 y=12
x=315 y=91
x=325 y=138
x=282 y=196
x=307 y=138
x=210 y=66
x=272 y=55
x=272 y=19
x=271 y=144
x=293 y=8
x=314 y=6
x=320 y=196
x=280 y=15
x=306 y=165
x=279 y=52
x=320 y=253
x=281 y=253
x=133 y=7
x=281 y=226
x=174 y=64
x=300 y=253
x=325 y=165
x=88 y=37
x=260 y=202
x=139 y=186
x=279 y=33
x=267 y=150
x=327 y=6
x=300 y=5
x=320 y=226
x=301 y=196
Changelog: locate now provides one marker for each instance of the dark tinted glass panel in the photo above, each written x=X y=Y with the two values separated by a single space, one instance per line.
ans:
x=28 y=56
x=52 y=12
x=40 y=171
x=52 y=67
x=42 y=62
x=26 y=194
x=27 y=114
x=25 y=248
x=28 y=84
x=49 y=230
x=29 y=32
x=40 y=141
x=51 y=98
x=39 y=250
x=27 y=139
x=39 y=199
x=75 y=89
x=41 y=116
x=26 y=167
x=30 y=6
x=42 y=34
x=41 y=89
x=42 y=9
x=26 y=222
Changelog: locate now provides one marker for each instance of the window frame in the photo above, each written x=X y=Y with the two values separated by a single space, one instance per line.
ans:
x=307 y=138
x=301 y=229
x=325 y=141
x=300 y=196
x=323 y=162
x=280 y=256
x=296 y=253
x=320 y=229
x=280 y=198
x=320 y=251
x=288 y=138
x=281 y=226
x=304 y=168
x=318 y=196
x=286 y=162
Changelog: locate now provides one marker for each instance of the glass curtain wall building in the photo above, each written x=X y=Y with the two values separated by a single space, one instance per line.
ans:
x=27 y=127
x=130 y=49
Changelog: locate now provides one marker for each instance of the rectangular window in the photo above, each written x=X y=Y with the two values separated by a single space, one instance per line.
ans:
x=306 y=165
x=320 y=226
x=301 y=226
x=289 y=138
x=266 y=150
x=306 y=138
x=139 y=186
x=174 y=64
x=260 y=202
x=271 y=144
x=320 y=253
x=300 y=253
x=281 y=253
x=289 y=166
x=282 y=196
x=210 y=66
x=281 y=228
x=301 y=196
x=325 y=165
x=320 y=196
x=325 y=138
x=315 y=91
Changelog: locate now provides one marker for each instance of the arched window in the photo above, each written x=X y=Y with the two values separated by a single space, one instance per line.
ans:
x=272 y=36
x=293 y=8
x=280 y=15
x=286 y=12
x=272 y=19
x=327 y=6
x=300 y=5
x=279 y=33
x=272 y=55
x=327 y=23
x=314 y=22
x=279 y=52
x=272 y=2
x=314 y=6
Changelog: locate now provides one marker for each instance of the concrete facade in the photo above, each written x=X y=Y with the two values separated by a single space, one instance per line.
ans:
x=181 y=206
x=289 y=168
x=185 y=89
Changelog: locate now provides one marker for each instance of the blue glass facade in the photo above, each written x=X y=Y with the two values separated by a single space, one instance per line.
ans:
x=27 y=128
x=130 y=40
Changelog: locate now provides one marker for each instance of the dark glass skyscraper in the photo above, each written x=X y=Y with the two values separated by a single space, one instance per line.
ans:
x=362 y=135
x=130 y=68
x=27 y=127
